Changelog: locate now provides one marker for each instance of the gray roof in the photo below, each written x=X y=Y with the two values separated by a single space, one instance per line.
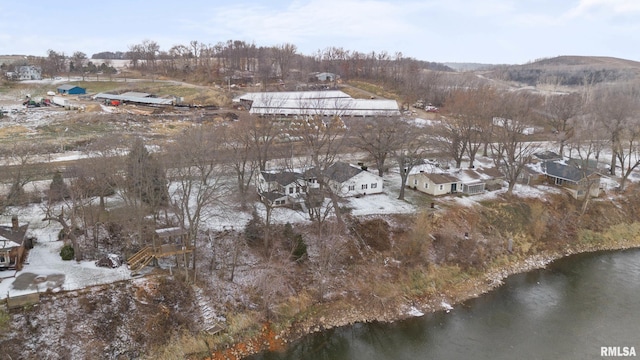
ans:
x=18 y=236
x=276 y=96
x=141 y=100
x=547 y=155
x=341 y=171
x=136 y=94
x=565 y=172
x=282 y=178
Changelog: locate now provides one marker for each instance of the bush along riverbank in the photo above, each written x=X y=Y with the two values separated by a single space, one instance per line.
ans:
x=392 y=267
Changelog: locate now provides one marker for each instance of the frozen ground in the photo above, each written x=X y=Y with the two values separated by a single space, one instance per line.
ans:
x=45 y=269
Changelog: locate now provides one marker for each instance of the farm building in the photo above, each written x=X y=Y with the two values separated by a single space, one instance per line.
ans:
x=68 y=89
x=323 y=77
x=315 y=103
x=136 y=98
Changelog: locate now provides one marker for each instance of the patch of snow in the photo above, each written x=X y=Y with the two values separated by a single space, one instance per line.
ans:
x=413 y=311
x=379 y=204
x=446 y=306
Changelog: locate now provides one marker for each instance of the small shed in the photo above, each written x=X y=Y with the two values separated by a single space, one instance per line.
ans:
x=68 y=89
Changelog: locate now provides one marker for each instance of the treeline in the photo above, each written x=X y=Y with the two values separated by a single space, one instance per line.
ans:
x=567 y=76
x=240 y=62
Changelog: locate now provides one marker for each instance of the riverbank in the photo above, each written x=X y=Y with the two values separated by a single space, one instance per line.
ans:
x=447 y=284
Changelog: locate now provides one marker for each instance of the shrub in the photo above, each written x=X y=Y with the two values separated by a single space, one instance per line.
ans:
x=67 y=252
x=295 y=243
x=375 y=233
x=253 y=231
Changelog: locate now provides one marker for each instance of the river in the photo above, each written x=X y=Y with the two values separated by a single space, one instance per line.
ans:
x=567 y=311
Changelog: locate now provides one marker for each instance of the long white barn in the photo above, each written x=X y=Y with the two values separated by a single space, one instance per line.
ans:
x=309 y=103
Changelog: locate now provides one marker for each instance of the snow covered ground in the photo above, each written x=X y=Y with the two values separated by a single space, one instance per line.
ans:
x=45 y=269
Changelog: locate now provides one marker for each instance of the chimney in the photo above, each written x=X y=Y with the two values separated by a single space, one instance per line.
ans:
x=14 y=223
x=363 y=167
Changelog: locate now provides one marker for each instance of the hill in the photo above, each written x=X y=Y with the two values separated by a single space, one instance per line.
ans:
x=569 y=71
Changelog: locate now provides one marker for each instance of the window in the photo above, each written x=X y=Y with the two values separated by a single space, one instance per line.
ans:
x=291 y=190
x=426 y=185
x=441 y=187
x=297 y=189
x=352 y=187
x=374 y=185
x=279 y=202
x=415 y=181
x=364 y=186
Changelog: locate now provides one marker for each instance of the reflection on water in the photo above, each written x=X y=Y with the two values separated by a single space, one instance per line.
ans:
x=567 y=311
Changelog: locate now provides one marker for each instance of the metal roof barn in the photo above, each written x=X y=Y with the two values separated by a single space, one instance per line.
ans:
x=292 y=95
x=309 y=103
x=71 y=89
x=135 y=99
x=326 y=107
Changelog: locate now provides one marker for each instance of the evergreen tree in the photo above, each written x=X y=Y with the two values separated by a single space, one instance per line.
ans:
x=145 y=177
x=58 y=189
x=253 y=231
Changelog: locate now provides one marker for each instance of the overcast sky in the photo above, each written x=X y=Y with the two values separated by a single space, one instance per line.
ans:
x=484 y=31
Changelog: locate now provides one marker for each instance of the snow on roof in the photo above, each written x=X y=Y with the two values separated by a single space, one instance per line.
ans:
x=467 y=176
x=7 y=244
x=325 y=103
x=291 y=95
x=136 y=94
x=141 y=100
x=326 y=107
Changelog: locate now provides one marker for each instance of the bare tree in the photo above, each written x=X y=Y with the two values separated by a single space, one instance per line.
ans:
x=20 y=158
x=511 y=150
x=378 y=137
x=449 y=137
x=588 y=142
x=197 y=177
x=283 y=55
x=469 y=113
x=322 y=138
x=77 y=63
x=628 y=152
x=614 y=108
x=103 y=168
x=561 y=112
x=243 y=157
x=263 y=131
x=410 y=151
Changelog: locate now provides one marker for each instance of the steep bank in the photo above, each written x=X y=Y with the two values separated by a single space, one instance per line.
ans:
x=540 y=231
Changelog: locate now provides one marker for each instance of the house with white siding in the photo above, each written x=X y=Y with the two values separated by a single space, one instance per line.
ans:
x=352 y=180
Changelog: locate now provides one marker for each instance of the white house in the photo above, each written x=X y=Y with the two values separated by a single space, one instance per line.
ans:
x=351 y=180
x=28 y=72
x=281 y=188
x=434 y=184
